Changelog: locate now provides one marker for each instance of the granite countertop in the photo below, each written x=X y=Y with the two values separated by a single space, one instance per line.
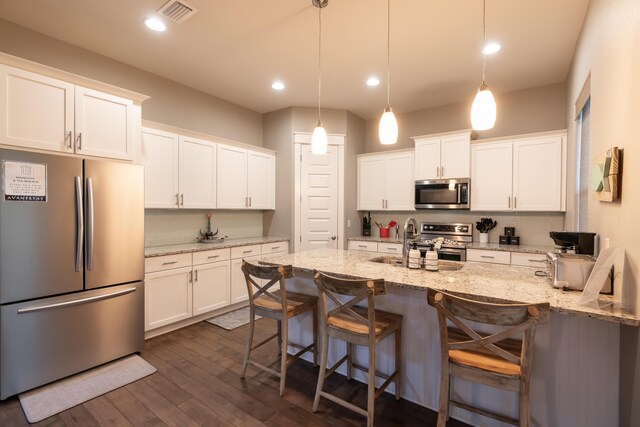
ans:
x=183 y=248
x=484 y=281
x=486 y=246
x=512 y=248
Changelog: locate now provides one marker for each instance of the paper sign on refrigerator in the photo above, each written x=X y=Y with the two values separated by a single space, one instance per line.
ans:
x=25 y=182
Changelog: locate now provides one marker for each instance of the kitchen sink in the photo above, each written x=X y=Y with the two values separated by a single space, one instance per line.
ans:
x=397 y=261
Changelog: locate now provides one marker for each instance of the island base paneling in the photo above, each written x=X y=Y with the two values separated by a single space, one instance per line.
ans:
x=575 y=374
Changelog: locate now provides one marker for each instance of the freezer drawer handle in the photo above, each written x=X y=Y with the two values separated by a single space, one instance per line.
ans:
x=76 y=302
x=80 y=223
x=89 y=254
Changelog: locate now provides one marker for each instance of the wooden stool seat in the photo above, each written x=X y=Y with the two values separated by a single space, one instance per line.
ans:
x=279 y=305
x=364 y=326
x=385 y=323
x=494 y=359
x=295 y=303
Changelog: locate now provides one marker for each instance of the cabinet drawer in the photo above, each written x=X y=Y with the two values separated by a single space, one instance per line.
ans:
x=496 y=257
x=211 y=256
x=272 y=248
x=363 y=246
x=167 y=262
x=528 y=260
x=245 y=251
x=390 y=248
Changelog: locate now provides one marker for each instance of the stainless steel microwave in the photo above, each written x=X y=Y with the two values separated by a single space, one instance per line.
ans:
x=442 y=194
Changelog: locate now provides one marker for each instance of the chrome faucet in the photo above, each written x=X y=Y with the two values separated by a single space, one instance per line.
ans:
x=413 y=230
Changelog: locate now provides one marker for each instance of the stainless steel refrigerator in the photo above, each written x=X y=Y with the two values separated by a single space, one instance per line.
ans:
x=71 y=266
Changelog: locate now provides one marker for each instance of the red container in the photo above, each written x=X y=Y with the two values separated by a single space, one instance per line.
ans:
x=384 y=232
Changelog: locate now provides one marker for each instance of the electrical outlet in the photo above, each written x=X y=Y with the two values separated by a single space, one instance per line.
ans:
x=348 y=223
x=606 y=242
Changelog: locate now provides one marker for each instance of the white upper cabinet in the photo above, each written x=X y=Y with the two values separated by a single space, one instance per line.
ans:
x=521 y=174
x=442 y=156
x=491 y=180
x=386 y=181
x=180 y=172
x=197 y=173
x=160 y=159
x=246 y=179
x=103 y=124
x=37 y=111
x=261 y=180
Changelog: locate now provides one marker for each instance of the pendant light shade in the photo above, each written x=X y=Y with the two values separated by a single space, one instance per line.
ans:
x=483 y=110
x=319 y=139
x=319 y=136
x=388 y=128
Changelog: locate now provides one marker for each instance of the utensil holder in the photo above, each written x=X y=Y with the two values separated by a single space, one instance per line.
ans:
x=384 y=232
x=484 y=237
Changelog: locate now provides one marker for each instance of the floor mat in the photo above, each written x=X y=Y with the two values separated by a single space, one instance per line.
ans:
x=59 y=396
x=233 y=319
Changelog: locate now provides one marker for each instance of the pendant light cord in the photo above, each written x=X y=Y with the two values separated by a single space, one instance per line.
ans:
x=388 y=49
x=484 y=37
x=319 y=57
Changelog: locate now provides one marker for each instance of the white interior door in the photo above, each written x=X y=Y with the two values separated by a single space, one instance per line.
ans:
x=319 y=199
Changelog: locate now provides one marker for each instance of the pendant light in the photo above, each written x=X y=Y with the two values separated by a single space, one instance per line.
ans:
x=388 y=129
x=319 y=136
x=483 y=110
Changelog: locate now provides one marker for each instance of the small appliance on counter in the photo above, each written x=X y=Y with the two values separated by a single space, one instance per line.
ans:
x=575 y=242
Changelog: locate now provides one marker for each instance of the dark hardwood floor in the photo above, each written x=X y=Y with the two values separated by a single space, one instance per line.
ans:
x=198 y=384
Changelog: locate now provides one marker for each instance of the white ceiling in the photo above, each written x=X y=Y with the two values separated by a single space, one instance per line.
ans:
x=235 y=49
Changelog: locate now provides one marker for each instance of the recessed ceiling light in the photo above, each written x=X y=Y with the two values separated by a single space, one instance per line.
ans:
x=155 y=24
x=491 y=48
x=277 y=85
x=373 y=81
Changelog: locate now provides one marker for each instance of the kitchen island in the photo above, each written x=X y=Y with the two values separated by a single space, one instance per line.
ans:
x=576 y=364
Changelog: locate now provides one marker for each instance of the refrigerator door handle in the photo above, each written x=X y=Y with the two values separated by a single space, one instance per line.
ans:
x=90 y=224
x=79 y=222
x=75 y=301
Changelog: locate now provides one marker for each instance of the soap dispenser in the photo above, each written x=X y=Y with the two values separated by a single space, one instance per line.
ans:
x=431 y=260
x=414 y=257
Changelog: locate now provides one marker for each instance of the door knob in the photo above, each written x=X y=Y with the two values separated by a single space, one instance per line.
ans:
x=333 y=237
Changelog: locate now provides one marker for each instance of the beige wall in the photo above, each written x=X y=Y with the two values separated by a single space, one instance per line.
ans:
x=170 y=102
x=306 y=118
x=355 y=145
x=609 y=50
x=278 y=135
x=526 y=111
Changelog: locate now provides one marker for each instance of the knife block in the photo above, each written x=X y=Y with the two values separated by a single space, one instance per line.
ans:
x=366 y=229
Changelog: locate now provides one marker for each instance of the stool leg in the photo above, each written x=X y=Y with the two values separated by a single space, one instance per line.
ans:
x=279 y=337
x=525 y=410
x=324 y=350
x=247 y=349
x=443 y=409
x=315 y=335
x=371 y=388
x=398 y=343
x=284 y=344
x=349 y=360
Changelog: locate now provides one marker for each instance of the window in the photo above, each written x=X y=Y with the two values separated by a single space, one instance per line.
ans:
x=583 y=136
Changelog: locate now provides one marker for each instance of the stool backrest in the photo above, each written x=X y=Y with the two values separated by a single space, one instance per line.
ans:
x=515 y=318
x=273 y=274
x=359 y=289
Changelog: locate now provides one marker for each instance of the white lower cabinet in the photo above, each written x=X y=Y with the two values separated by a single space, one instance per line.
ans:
x=529 y=259
x=494 y=257
x=390 y=248
x=167 y=297
x=380 y=247
x=239 y=290
x=210 y=286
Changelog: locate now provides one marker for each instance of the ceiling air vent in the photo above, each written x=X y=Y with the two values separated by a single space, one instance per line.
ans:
x=177 y=11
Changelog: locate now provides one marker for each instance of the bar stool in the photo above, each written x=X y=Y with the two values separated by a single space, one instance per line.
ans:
x=281 y=306
x=363 y=326
x=491 y=359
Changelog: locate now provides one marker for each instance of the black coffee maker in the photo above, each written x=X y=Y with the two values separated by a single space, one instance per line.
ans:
x=574 y=241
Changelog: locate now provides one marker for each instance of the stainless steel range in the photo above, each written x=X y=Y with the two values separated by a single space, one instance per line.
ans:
x=452 y=239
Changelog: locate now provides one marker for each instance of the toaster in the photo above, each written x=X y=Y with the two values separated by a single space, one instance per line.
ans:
x=569 y=271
